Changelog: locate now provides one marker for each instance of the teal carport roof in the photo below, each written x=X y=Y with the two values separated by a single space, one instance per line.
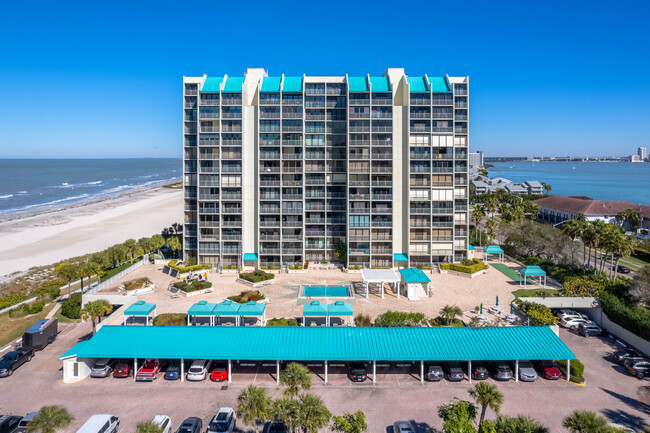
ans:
x=339 y=308
x=532 y=271
x=417 y=84
x=471 y=247
x=324 y=343
x=201 y=308
x=414 y=275
x=233 y=84
x=314 y=308
x=358 y=84
x=250 y=257
x=440 y=85
x=140 y=308
x=380 y=84
x=493 y=249
x=212 y=85
x=400 y=257
x=271 y=84
x=251 y=308
x=292 y=84
x=226 y=308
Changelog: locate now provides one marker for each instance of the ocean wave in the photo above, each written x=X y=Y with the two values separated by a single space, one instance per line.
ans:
x=46 y=204
x=97 y=182
x=22 y=192
x=6 y=196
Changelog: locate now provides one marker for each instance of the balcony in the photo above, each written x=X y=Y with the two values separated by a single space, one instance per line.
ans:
x=286 y=251
x=291 y=210
x=382 y=210
x=359 y=210
x=208 y=197
x=269 y=183
x=382 y=183
x=191 y=92
x=230 y=196
x=442 y=224
x=381 y=223
x=382 y=101
x=382 y=196
x=270 y=209
x=442 y=210
x=420 y=210
x=270 y=223
x=231 y=237
x=362 y=128
x=231 y=155
x=441 y=129
x=461 y=130
x=292 y=223
x=270 y=237
x=209 y=129
x=292 y=156
x=231 y=224
x=269 y=155
x=365 y=251
x=416 y=128
x=270 y=251
x=382 y=156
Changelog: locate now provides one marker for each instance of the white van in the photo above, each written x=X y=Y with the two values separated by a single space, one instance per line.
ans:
x=164 y=422
x=100 y=424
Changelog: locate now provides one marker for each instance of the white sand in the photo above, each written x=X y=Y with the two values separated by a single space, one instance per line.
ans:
x=46 y=238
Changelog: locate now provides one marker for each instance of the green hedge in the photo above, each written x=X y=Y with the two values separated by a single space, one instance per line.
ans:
x=634 y=318
x=577 y=370
x=186 y=269
x=170 y=319
x=400 y=319
x=256 y=276
x=467 y=267
x=281 y=322
x=641 y=254
x=192 y=285
x=71 y=307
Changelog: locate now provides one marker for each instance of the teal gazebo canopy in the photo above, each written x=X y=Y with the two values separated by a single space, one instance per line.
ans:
x=341 y=309
x=493 y=249
x=314 y=309
x=226 y=308
x=201 y=308
x=532 y=271
x=252 y=308
x=142 y=309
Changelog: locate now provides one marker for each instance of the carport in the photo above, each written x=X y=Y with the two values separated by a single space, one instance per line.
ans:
x=532 y=271
x=314 y=309
x=493 y=249
x=226 y=308
x=140 y=309
x=340 y=309
x=381 y=277
x=201 y=309
x=252 y=309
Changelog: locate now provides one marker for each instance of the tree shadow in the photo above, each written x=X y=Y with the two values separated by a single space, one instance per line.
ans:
x=634 y=403
x=625 y=418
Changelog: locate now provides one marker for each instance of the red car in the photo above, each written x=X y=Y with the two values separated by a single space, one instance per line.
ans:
x=219 y=372
x=149 y=370
x=122 y=369
x=549 y=370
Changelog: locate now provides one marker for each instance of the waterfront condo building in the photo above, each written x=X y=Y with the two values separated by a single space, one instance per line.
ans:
x=281 y=170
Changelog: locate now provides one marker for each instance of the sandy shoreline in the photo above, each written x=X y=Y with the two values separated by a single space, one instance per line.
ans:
x=46 y=236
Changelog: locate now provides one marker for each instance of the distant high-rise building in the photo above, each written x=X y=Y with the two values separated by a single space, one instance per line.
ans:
x=635 y=158
x=643 y=153
x=476 y=159
x=282 y=170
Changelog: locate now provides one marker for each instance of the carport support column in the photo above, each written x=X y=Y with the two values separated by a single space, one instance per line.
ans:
x=469 y=371
x=568 y=370
x=325 y=371
x=421 y=371
x=374 y=371
x=517 y=370
x=135 y=367
x=182 y=370
x=277 y=372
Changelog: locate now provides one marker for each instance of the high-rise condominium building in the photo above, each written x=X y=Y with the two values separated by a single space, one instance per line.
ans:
x=643 y=153
x=281 y=170
x=476 y=159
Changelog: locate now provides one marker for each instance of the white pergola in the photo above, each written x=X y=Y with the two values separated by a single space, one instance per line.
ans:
x=380 y=276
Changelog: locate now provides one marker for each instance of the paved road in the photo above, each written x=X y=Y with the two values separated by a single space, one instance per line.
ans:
x=397 y=395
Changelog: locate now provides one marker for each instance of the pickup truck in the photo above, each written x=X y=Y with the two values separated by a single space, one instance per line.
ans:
x=14 y=359
x=149 y=370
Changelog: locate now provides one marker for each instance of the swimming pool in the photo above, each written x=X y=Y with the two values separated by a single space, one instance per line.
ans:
x=326 y=291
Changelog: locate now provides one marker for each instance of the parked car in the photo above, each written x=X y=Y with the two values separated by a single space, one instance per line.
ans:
x=638 y=367
x=223 y=421
x=122 y=369
x=100 y=424
x=103 y=367
x=527 y=372
x=454 y=372
x=479 y=371
x=433 y=373
x=9 y=423
x=620 y=356
x=173 y=370
x=565 y=311
x=501 y=370
x=198 y=370
x=219 y=372
x=164 y=422
x=14 y=359
x=572 y=322
x=149 y=370
x=623 y=270
x=191 y=425
x=357 y=372
x=277 y=427
x=587 y=330
x=403 y=427
x=549 y=369
x=23 y=425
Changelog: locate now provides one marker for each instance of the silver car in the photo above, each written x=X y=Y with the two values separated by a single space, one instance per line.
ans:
x=403 y=427
x=527 y=372
x=198 y=370
x=103 y=367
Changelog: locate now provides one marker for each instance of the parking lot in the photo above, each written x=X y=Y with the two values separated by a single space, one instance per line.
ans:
x=398 y=394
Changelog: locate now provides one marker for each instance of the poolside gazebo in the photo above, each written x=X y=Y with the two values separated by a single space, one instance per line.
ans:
x=380 y=276
x=532 y=271
x=314 y=309
x=140 y=309
x=415 y=279
x=252 y=308
x=201 y=309
x=341 y=309
x=400 y=259
x=226 y=308
x=493 y=249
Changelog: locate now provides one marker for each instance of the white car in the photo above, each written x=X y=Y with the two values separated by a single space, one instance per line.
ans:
x=403 y=427
x=573 y=314
x=164 y=422
x=572 y=322
x=223 y=421
x=198 y=370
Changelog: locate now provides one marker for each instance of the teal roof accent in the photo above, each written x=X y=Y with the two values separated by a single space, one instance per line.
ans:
x=250 y=257
x=251 y=308
x=212 y=85
x=234 y=84
x=358 y=84
x=140 y=308
x=292 y=84
x=493 y=249
x=471 y=247
x=380 y=84
x=271 y=84
x=400 y=257
x=439 y=85
x=339 y=308
x=201 y=308
x=226 y=308
x=417 y=84
x=532 y=271
x=414 y=275
x=314 y=308
x=505 y=343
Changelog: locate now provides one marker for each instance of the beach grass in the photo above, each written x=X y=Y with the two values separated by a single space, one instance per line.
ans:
x=12 y=329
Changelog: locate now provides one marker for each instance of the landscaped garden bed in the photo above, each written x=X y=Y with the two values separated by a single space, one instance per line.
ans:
x=193 y=287
x=137 y=287
x=467 y=268
x=257 y=278
x=246 y=296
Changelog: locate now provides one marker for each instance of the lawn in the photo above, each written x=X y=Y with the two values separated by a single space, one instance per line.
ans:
x=535 y=293
x=11 y=329
x=509 y=272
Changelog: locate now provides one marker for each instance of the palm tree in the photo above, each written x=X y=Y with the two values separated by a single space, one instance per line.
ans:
x=148 y=427
x=513 y=199
x=621 y=245
x=490 y=227
x=173 y=243
x=584 y=421
x=599 y=230
x=146 y=244
x=157 y=242
x=68 y=273
x=571 y=228
x=86 y=269
x=547 y=187
x=629 y=215
x=96 y=309
x=518 y=214
x=95 y=269
x=477 y=217
x=583 y=234
x=521 y=424
x=504 y=208
x=486 y=395
x=286 y=409
x=131 y=247
x=500 y=194
x=449 y=313
x=588 y=237
x=532 y=209
x=254 y=405
x=178 y=228
x=50 y=419
x=312 y=413
x=117 y=253
x=491 y=204
x=295 y=376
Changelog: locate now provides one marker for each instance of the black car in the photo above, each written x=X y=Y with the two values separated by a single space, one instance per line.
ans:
x=433 y=373
x=277 y=427
x=623 y=270
x=479 y=371
x=620 y=356
x=454 y=372
x=357 y=373
x=14 y=359
x=501 y=370
x=638 y=367
x=191 y=425
x=9 y=423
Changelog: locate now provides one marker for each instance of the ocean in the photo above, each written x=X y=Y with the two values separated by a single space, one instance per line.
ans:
x=35 y=184
x=598 y=180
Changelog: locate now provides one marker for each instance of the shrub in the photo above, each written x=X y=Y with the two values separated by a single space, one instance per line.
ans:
x=466 y=267
x=580 y=286
x=192 y=285
x=50 y=289
x=13 y=299
x=170 y=319
x=256 y=276
x=71 y=307
x=577 y=370
x=362 y=320
x=540 y=315
x=136 y=284
x=400 y=319
x=635 y=319
x=247 y=295
x=185 y=269
x=282 y=322
x=34 y=308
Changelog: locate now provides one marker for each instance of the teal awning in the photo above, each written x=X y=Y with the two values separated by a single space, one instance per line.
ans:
x=414 y=275
x=532 y=271
x=226 y=308
x=493 y=249
x=358 y=84
x=292 y=84
x=380 y=84
x=271 y=84
x=250 y=257
x=234 y=84
x=471 y=247
x=339 y=308
x=201 y=308
x=400 y=257
x=417 y=84
x=439 y=85
x=273 y=343
x=251 y=308
x=140 y=308
x=212 y=85
x=314 y=308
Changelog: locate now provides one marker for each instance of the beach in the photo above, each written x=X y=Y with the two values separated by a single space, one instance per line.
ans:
x=50 y=235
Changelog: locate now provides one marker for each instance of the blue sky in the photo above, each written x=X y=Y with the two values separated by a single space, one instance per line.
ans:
x=92 y=79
